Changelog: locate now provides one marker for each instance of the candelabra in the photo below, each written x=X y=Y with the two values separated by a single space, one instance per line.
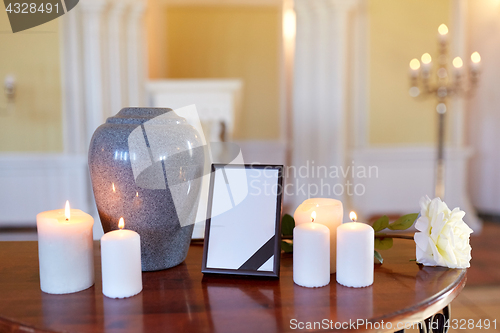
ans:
x=445 y=86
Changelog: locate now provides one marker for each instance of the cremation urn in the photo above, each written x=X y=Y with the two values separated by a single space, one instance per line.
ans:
x=146 y=166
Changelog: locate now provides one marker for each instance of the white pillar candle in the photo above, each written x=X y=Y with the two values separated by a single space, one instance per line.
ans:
x=355 y=247
x=65 y=250
x=311 y=254
x=329 y=212
x=121 y=263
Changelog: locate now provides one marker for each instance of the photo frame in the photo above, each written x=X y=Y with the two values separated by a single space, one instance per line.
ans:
x=243 y=226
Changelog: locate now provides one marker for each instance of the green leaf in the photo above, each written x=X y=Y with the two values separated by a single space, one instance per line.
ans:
x=287 y=246
x=381 y=223
x=404 y=222
x=378 y=257
x=287 y=225
x=383 y=243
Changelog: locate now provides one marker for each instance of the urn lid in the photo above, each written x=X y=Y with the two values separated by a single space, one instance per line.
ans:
x=137 y=115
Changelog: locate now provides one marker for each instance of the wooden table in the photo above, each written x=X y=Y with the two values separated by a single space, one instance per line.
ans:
x=181 y=299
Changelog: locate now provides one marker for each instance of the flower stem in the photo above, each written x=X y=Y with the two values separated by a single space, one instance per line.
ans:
x=394 y=236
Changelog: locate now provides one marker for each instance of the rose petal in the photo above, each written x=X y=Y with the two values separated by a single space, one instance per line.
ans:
x=424 y=204
x=449 y=255
x=457 y=213
x=437 y=225
x=422 y=241
x=422 y=224
x=436 y=255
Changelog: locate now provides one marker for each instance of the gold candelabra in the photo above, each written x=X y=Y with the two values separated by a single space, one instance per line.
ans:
x=445 y=86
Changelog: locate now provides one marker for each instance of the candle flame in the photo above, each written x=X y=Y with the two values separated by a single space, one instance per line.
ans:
x=475 y=57
x=457 y=62
x=113 y=186
x=121 y=223
x=136 y=194
x=443 y=29
x=353 y=216
x=414 y=64
x=313 y=216
x=426 y=58
x=67 y=211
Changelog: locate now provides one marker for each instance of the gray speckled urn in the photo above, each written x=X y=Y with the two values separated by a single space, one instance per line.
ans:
x=145 y=165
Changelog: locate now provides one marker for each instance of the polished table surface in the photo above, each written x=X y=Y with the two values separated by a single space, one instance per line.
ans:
x=181 y=299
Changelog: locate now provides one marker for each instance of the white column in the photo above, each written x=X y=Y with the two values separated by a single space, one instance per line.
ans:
x=136 y=50
x=320 y=95
x=301 y=101
x=458 y=48
x=117 y=57
x=93 y=64
x=72 y=77
x=483 y=118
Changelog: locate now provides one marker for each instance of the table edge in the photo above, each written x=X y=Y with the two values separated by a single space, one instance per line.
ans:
x=427 y=307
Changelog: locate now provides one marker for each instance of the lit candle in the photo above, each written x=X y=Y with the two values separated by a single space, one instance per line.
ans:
x=414 y=67
x=476 y=61
x=355 y=248
x=458 y=64
x=329 y=212
x=426 y=62
x=443 y=33
x=311 y=254
x=121 y=262
x=65 y=250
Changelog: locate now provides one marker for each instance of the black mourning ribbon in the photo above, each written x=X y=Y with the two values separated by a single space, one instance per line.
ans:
x=260 y=257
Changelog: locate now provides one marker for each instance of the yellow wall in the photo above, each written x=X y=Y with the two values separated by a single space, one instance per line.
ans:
x=156 y=36
x=32 y=56
x=399 y=31
x=231 y=42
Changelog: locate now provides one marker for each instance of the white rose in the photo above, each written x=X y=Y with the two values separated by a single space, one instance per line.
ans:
x=443 y=237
